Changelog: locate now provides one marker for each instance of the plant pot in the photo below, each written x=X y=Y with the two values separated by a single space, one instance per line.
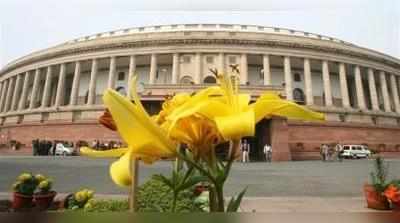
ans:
x=375 y=200
x=44 y=201
x=21 y=201
x=396 y=206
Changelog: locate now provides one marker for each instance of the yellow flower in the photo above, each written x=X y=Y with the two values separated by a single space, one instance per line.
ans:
x=144 y=137
x=80 y=196
x=40 y=177
x=45 y=185
x=24 y=177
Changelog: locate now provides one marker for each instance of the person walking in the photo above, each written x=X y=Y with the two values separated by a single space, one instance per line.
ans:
x=267 y=152
x=245 y=151
x=339 y=151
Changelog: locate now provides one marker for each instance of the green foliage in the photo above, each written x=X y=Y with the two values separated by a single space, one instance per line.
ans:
x=156 y=196
x=379 y=175
x=234 y=204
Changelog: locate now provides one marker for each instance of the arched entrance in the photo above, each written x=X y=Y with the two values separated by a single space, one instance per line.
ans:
x=210 y=80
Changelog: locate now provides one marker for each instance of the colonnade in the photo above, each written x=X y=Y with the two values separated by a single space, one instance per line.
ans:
x=14 y=90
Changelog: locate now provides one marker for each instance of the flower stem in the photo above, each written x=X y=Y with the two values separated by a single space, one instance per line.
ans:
x=175 y=197
x=220 y=197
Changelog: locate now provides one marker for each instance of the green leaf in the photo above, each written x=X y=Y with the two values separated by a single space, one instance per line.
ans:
x=234 y=203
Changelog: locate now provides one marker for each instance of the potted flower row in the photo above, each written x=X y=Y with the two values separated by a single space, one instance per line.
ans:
x=379 y=193
x=29 y=188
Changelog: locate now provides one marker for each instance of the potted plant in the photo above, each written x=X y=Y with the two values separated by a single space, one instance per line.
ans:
x=23 y=189
x=374 y=192
x=44 y=198
x=392 y=193
x=80 y=199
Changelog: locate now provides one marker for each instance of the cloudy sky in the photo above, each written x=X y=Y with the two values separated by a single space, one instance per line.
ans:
x=26 y=25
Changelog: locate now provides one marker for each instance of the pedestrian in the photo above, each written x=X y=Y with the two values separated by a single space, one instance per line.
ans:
x=321 y=152
x=244 y=150
x=248 y=152
x=267 y=152
x=339 y=152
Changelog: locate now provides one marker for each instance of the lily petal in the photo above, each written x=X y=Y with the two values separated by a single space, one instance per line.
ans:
x=106 y=153
x=236 y=126
x=136 y=127
x=271 y=105
x=120 y=170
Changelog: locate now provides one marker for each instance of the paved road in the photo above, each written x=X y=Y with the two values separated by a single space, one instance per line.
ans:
x=286 y=179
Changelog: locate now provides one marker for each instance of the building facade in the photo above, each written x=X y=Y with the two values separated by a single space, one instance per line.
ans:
x=56 y=93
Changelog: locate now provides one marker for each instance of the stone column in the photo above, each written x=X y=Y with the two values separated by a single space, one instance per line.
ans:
x=2 y=85
x=92 y=83
x=60 y=86
x=16 y=94
x=4 y=94
x=198 y=68
x=221 y=63
x=24 y=93
x=153 y=68
x=244 y=76
x=132 y=72
x=308 y=82
x=344 y=91
x=395 y=93
x=9 y=93
x=267 y=70
x=35 y=87
x=327 y=83
x=75 y=84
x=47 y=87
x=111 y=75
x=385 y=93
x=175 y=68
x=359 y=88
x=288 y=78
x=372 y=90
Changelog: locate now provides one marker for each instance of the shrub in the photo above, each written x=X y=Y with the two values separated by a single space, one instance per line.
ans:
x=107 y=206
x=155 y=196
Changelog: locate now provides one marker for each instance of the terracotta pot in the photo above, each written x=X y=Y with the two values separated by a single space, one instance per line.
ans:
x=396 y=206
x=21 y=201
x=43 y=201
x=374 y=199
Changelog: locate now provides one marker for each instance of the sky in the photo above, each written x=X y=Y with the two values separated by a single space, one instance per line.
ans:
x=27 y=26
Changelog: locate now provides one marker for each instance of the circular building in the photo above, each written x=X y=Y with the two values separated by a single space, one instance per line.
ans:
x=55 y=94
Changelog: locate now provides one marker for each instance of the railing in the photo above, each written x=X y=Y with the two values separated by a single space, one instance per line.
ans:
x=207 y=27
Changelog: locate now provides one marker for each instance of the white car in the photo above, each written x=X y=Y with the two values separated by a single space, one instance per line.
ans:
x=64 y=150
x=355 y=151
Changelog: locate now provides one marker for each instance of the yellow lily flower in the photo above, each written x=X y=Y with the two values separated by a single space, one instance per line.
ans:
x=144 y=137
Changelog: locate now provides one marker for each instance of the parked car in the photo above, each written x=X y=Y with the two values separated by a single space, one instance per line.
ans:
x=356 y=151
x=63 y=149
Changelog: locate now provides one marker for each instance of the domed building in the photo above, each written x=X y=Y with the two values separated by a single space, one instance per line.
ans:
x=55 y=94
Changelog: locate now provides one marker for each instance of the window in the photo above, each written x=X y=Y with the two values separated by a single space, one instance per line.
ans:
x=186 y=59
x=297 y=77
x=121 y=90
x=121 y=76
x=298 y=95
x=210 y=80
x=232 y=60
x=210 y=59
